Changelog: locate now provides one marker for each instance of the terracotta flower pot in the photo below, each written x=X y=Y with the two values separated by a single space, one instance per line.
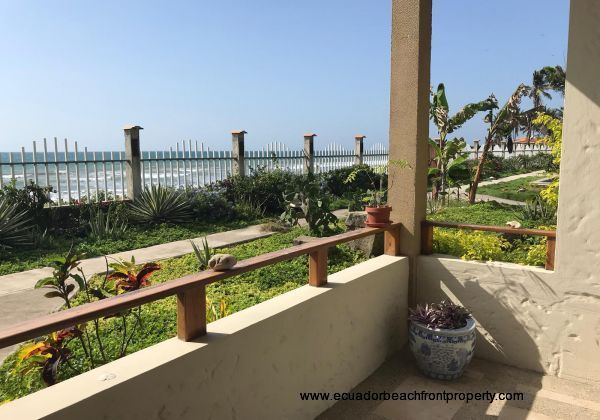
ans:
x=378 y=216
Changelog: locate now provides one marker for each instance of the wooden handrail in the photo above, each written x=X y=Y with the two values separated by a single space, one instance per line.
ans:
x=428 y=225
x=190 y=290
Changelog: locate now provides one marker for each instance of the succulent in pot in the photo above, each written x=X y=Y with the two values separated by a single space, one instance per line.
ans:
x=442 y=339
x=375 y=199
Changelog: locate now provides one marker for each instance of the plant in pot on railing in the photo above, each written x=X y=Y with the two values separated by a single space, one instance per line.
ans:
x=375 y=199
x=442 y=339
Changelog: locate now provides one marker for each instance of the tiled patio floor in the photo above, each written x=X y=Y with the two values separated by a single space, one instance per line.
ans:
x=545 y=397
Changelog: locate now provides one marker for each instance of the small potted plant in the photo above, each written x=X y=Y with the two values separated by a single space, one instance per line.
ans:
x=376 y=207
x=442 y=339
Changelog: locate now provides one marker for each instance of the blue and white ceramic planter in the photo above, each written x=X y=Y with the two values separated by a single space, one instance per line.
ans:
x=442 y=354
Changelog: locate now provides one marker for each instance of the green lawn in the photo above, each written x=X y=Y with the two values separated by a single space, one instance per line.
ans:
x=135 y=237
x=159 y=318
x=510 y=189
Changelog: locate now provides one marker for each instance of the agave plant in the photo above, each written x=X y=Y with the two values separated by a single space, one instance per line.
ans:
x=105 y=225
x=127 y=277
x=203 y=255
x=159 y=204
x=444 y=315
x=14 y=225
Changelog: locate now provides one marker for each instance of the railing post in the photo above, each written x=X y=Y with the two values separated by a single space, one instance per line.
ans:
x=309 y=153
x=133 y=158
x=317 y=267
x=391 y=242
x=550 y=252
x=238 y=152
x=358 y=149
x=426 y=239
x=191 y=313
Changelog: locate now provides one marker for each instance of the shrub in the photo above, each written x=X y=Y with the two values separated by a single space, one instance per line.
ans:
x=537 y=211
x=470 y=245
x=106 y=225
x=210 y=204
x=364 y=178
x=159 y=204
x=31 y=199
x=15 y=225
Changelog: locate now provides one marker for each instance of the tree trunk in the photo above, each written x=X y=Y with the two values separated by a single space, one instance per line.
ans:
x=477 y=178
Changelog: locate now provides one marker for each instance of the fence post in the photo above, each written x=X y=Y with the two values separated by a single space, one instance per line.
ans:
x=238 y=152
x=426 y=239
x=309 y=153
x=550 y=252
x=503 y=146
x=476 y=147
x=133 y=161
x=358 y=149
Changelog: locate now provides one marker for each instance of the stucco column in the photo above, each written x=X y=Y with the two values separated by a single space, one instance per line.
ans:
x=133 y=161
x=409 y=114
x=578 y=231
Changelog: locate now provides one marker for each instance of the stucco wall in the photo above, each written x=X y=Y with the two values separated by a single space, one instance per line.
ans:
x=252 y=364
x=527 y=317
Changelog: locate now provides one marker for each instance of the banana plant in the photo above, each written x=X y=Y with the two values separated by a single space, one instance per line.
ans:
x=446 y=125
x=452 y=156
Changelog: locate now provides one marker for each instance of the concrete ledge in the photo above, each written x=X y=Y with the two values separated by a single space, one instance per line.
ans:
x=252 y=364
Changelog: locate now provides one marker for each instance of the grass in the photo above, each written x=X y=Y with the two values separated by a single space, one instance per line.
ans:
x=159 y=318
x=510 y=190
x=528 y=250
x=136 y=237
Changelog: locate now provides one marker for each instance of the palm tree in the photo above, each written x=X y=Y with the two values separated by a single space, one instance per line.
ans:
x=445 y=151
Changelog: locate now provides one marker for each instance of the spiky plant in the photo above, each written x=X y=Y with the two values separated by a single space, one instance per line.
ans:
x=159 y=204
x=203 y=255
x=106 y=225
x=444 y=315
x=15 y=226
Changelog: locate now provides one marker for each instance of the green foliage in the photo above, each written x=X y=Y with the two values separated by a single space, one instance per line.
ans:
x=106 y=225
x=340 y=184
x=31 y=199
x=376 y=196
x=159 y=318
x=203 y=255
x=307 y=199
x=553 y=128
x=159 y=204
x=15 y=225
x=520 y=189
x=469 y=245
x=537 y=211
x=58 y=285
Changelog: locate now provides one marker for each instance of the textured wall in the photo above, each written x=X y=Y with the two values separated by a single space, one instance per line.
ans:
x=527 y=317
x=253 y=363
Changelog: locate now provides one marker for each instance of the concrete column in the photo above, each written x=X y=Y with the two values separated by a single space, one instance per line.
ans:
x=409 y=118
x=578 y=230
x=358 y=149
x=309 y=153
x=238 y=152
x=133 y=157
x=503 y=148
x=476 y=147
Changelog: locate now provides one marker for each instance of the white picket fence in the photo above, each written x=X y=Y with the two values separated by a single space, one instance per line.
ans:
x=77 y=175
x=519 y=149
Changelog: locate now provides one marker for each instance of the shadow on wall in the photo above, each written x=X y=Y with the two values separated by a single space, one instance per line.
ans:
x=505 y=333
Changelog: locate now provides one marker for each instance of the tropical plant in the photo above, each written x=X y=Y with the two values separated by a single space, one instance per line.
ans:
x=307 y=199
x=160 y=204
x=448 y=151
x=15 y=225
x=552 y=128
x=105 y=225
x=537 y=211
x=31 y=198
x=202 y=255
x=127 y=277
x=444 y=315
x=544 y=80
x=452 y=157
x=502 y=125
x=47 y=354
x=376 y=195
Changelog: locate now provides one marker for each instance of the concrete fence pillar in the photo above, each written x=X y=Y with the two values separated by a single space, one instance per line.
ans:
x=358 y=149
x=238 y=152
x=476 y=147
x=133 y=158
x=503 y=147
x=309 y=153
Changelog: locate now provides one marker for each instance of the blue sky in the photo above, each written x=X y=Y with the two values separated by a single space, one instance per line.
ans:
x=198 y=69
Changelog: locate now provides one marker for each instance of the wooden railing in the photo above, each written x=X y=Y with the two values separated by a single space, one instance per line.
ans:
x=191 y=289
x=428 y=225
